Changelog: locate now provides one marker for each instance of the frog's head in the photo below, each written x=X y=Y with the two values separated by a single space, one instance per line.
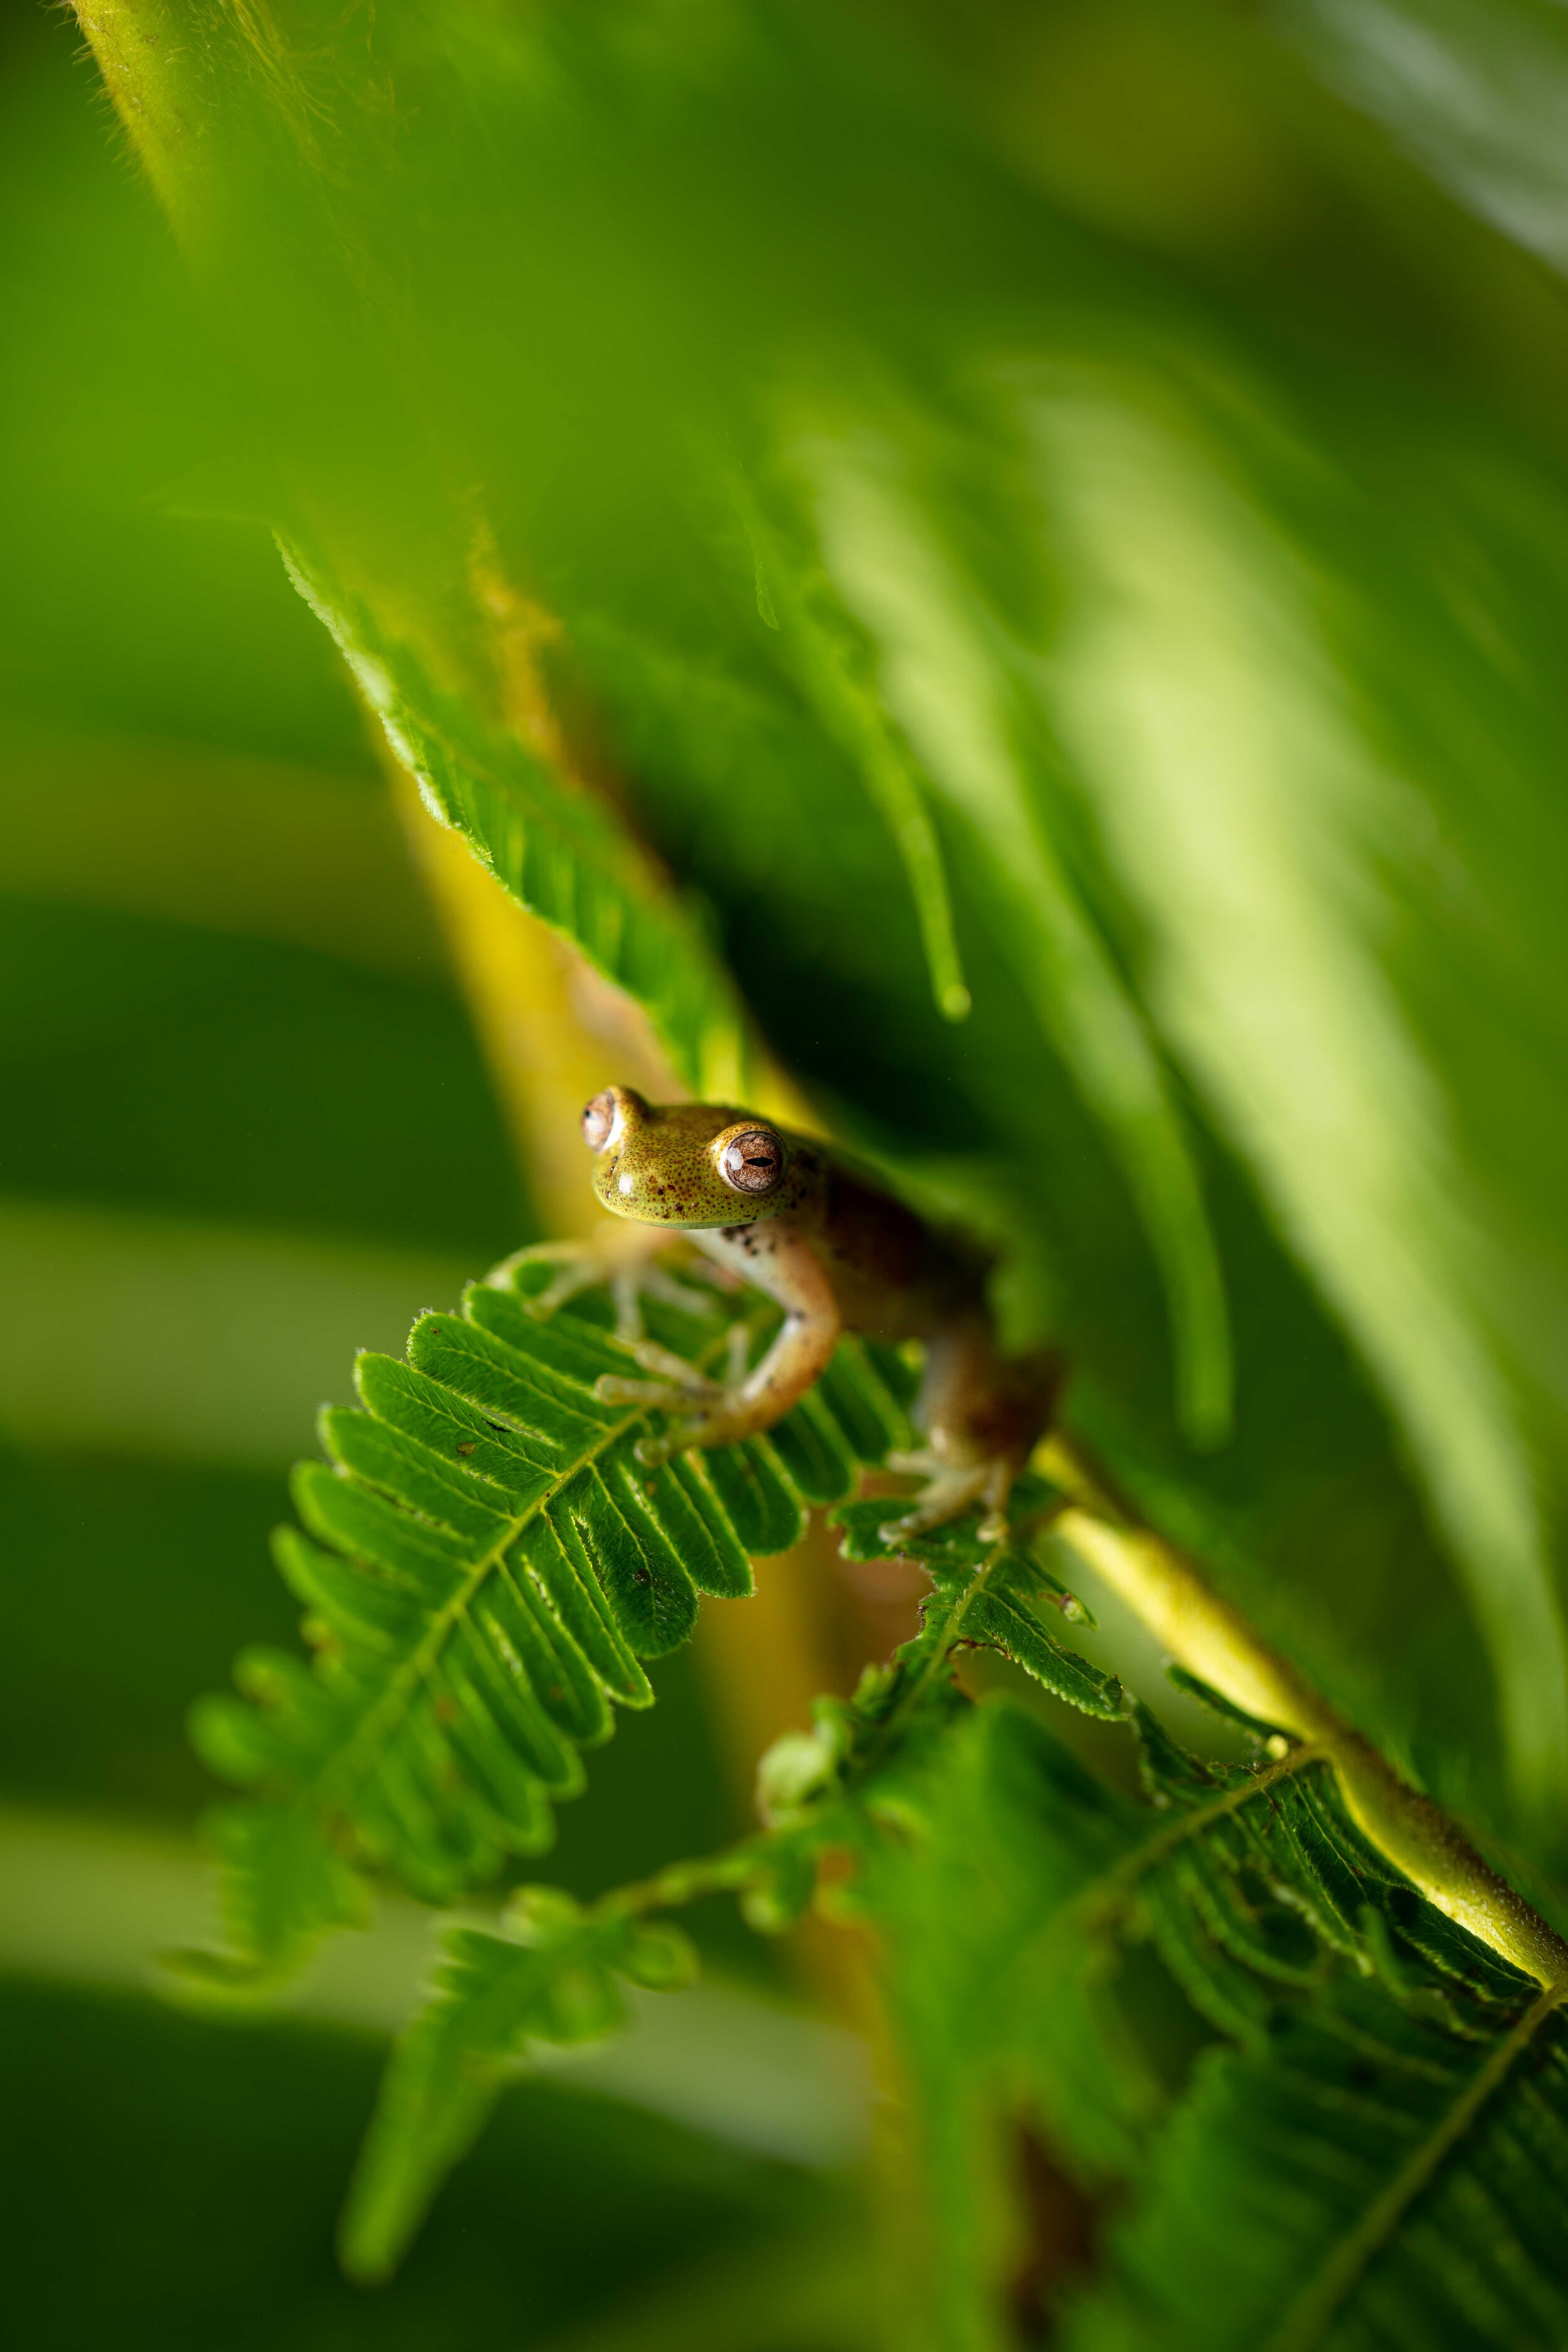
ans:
x=684 y=1163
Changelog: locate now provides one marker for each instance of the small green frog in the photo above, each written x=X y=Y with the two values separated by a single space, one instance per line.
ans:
x=786 y=1215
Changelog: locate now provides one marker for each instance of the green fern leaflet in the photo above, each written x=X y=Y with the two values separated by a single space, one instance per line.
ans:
x=485 y=1566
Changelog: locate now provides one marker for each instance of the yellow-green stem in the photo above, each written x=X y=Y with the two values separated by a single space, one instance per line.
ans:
x=1212 y=1640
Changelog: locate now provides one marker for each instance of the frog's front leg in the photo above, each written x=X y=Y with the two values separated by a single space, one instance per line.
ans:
x=771 y=1257
x=621 y=1259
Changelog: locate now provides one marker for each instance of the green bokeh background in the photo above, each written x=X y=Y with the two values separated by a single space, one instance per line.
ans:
x=1307 y=330
x=176 y=1079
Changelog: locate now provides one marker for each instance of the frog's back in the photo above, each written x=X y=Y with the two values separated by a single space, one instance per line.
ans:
x=894 y=1277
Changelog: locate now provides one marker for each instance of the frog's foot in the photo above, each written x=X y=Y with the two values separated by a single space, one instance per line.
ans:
x=951 y=1489
x=629 y=1273
x=720 y=1411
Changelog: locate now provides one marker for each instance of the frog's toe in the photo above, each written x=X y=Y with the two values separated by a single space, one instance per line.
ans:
x=996 y=1524
x=578 y=1267
x=725 y=1417
x=716 y=1426
x=684 y=1379
x=677 y=1388
x=630 y=1285
x=689 y=1297
x=620 y=1261
x=947 y=1495
x=665 y=1396
x=950 y=1490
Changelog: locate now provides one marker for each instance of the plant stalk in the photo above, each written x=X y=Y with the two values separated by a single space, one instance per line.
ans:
x=1212 y=1640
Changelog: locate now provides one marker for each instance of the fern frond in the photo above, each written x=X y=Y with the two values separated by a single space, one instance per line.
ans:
x=987 y=1596
x=553 y=1977
x=559 y=852
x=1369 y=2041
x=485 y=1566
x=1009 y=1889
x=1375 y=2174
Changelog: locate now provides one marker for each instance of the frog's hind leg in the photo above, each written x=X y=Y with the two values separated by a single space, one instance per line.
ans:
x=983 y=1416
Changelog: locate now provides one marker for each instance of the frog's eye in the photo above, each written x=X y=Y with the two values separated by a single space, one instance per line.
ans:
x=752 y=1161
x=602 y=1119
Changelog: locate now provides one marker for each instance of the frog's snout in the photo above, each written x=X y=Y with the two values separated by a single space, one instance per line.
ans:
x=615 y=1124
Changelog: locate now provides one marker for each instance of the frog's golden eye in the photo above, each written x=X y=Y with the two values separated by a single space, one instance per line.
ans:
x=602 y=1119
x=752 y=1161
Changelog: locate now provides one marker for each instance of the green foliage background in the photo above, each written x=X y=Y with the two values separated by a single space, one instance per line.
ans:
x=1060 y=512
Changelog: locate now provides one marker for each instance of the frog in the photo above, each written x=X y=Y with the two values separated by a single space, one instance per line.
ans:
x=792 y=1217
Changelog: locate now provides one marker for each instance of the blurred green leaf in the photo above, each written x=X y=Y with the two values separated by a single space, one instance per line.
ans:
x=124 y=624
x=1473 y=91
x=185 y=1341
x=945 y=675
x=556 y=1983
x=1256 y=824
x=90 y=1901
x=1301 y=2187
x=169 y=1069
x=261 y=849
x=554 y=850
